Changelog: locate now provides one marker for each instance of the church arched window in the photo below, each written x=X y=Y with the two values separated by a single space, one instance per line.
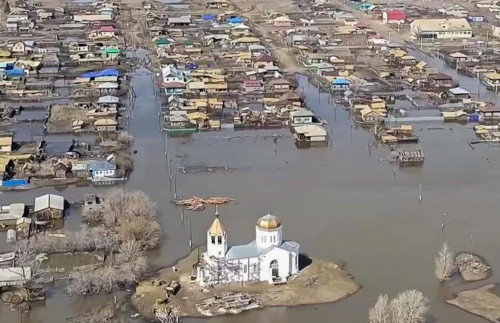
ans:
x=219 y=239
x=213 y=239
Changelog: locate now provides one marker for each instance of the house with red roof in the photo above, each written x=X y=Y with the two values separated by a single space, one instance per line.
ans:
x=393 y=17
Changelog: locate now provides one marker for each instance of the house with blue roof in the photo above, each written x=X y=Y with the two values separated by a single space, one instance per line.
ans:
x=340 y=84
x=102 y=169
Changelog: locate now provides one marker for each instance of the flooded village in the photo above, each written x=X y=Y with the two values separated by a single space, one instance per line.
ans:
x=166 y=161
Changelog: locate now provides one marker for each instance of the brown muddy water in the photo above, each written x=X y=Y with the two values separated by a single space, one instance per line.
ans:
x=340 y=203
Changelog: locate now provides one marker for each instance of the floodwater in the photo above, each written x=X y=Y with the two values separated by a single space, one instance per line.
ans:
x=341 y=203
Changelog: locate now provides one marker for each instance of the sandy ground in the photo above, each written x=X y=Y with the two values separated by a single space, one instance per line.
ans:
x=481 y=301
x=333 y=284
x=62 y=117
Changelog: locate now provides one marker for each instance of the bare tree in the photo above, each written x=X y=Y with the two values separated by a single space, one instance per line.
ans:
x=93 y=216
x=444 y=262
x=102 y=280
x=124 y=162
x=115 y=205
x=131 y=250
x=380 y=312
x=144 y=231
x=29 y=262
x=409 y=307
x=88 y=239
x=141 y=205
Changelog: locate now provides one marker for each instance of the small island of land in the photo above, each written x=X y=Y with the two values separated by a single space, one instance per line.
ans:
x=482 y=301
x=317 y=282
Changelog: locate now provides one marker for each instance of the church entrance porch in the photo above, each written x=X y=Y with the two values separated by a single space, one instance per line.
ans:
x=275 y=270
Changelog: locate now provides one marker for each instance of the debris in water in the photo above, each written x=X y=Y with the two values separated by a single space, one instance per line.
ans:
x=197 y=203
x=229 y=302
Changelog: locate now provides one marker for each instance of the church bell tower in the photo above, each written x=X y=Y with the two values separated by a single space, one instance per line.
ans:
x=216 y=238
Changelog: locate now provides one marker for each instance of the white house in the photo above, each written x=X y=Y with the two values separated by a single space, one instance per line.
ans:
x=268 y=258
x=102 y=169
x=171 y=74
x=302 y=117
x=456 y=28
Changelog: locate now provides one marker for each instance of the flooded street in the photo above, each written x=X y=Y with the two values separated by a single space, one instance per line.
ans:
x=340 y=203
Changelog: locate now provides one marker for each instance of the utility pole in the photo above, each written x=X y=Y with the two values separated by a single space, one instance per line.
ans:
x=478 y=87
x=190 y=236
x=170 y=169
x=175 y=187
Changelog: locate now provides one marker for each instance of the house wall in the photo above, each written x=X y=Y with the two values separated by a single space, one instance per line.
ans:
x=281 y=87
x=104 y=173
x=302 y=120
x=317 y=138
x=253 y=88
x=284 y=261
x=106 y=128
x=169 y=79
x=49 y=214
x=439 y=34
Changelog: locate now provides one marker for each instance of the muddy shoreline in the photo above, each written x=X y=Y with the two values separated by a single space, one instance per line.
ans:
x=332 y=284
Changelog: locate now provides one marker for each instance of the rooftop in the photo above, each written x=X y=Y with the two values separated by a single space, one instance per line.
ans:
x=426 y=25
x=49 y=201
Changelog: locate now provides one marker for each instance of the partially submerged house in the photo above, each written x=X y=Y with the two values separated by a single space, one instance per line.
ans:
x=310 y=135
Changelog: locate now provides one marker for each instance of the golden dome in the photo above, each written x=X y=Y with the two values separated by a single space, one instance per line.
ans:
x=268 y=222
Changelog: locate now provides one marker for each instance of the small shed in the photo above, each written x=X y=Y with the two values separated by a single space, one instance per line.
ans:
x=48 y=207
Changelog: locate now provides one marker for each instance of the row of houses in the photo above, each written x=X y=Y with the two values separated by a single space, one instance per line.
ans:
x=216 y=72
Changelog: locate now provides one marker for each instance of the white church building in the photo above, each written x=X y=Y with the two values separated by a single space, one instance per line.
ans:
x=268 y=258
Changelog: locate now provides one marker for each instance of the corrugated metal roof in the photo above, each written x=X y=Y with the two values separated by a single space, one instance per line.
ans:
x=101 y=165
x=249 y=250
x=49 y=200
